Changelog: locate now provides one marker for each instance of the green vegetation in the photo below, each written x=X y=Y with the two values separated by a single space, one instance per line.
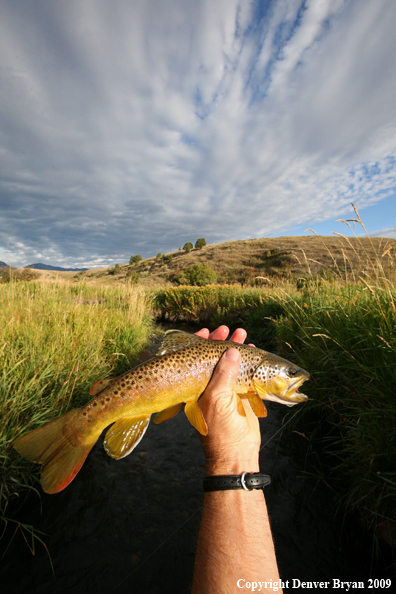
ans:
x=56 y=340
x=22 y=274
x=197 y=275
x=220 y=303
x=135 y=259
x=345 y=335
x=200 y=243
x=187 y=247
x=115 y=270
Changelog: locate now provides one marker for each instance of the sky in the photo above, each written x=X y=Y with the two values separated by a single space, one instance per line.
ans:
x=133 y=126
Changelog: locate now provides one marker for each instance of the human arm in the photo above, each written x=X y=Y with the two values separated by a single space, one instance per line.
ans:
x=235 y=540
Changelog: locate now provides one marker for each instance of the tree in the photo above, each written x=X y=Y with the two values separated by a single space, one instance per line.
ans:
x=187 y=247
x=135 y=259
x=200 y=243
x=200 y=275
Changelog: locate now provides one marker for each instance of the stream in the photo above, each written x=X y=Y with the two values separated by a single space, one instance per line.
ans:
x=131 y=525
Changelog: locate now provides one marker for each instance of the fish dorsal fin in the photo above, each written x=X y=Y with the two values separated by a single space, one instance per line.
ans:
x=124 y=436
x=175 y=340
x=166 y=414
x=100 y=385
x=196 y=418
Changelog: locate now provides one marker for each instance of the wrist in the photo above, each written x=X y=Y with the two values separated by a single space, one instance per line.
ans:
x=232 y=465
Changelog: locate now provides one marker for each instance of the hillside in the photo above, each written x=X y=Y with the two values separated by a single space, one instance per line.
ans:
x=254 y=261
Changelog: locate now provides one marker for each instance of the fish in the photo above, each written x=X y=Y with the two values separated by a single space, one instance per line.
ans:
x=178 y=374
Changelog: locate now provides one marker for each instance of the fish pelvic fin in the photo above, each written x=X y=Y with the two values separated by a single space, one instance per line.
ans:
x=196 y=418
x=124 y=436
x=60 y=449
x=166 y=414
x=175 y=340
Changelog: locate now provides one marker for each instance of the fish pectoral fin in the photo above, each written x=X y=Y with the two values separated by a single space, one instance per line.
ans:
x=175 y=340
x=100 y=385
x=196 y=418
x=124 y=436
x=258 y=406
x=166 y=414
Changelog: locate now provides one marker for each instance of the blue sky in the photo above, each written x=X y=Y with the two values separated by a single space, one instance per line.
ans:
x=134 y=126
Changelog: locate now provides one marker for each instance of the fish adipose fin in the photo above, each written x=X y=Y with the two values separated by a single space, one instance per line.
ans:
x=100 y=385
x=59 y=449
x=175 y=340
x=166 y=414
x=124 y=436
x=195 y=416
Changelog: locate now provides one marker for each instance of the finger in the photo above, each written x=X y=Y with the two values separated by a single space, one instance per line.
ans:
x=220 y=333
x=239 y=336
x=204 y=333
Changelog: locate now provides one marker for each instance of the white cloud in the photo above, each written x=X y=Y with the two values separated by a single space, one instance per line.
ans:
x=132 y=127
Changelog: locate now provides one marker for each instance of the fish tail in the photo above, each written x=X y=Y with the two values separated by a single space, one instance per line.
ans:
x=60 y=448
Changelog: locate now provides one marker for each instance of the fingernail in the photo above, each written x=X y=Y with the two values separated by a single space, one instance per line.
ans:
x=232 y=354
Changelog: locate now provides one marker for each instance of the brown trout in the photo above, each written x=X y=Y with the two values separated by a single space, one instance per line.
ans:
x=178 y=374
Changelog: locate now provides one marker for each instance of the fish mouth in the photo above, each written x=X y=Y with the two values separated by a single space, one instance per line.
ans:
x=288 y=395
x=292 y=393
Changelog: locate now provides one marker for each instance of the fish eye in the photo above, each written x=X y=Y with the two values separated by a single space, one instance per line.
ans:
x=292 y=372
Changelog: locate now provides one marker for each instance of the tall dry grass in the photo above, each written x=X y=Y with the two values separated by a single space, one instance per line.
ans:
x=56 y=340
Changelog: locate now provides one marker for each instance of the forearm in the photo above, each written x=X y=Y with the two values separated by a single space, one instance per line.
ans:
x=234 y=542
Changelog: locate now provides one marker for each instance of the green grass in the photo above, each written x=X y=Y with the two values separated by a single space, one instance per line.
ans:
x=56 y=340
x=346 y=337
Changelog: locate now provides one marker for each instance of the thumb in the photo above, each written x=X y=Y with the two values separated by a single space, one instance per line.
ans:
x=219 y=393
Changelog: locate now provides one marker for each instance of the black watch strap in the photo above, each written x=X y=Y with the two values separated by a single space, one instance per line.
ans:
x=247 y=481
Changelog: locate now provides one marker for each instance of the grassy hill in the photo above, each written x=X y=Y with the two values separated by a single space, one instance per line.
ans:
x=255 y=261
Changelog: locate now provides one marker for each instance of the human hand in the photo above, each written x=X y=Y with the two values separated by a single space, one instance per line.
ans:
x=233 y=441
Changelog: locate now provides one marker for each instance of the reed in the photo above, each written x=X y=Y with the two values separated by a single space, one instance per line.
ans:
x=56 y=340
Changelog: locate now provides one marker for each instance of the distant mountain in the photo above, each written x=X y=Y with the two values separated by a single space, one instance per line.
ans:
x=3 y=264
x=40 y=266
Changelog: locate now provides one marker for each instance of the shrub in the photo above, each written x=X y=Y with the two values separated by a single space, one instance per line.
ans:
x=200 y=275
x=133 y=277
x=158 y=256
x=135 y=259
x=187 y=247
x=200 y=243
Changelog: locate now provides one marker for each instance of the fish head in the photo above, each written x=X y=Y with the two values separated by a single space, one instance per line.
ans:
x=279 y=380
